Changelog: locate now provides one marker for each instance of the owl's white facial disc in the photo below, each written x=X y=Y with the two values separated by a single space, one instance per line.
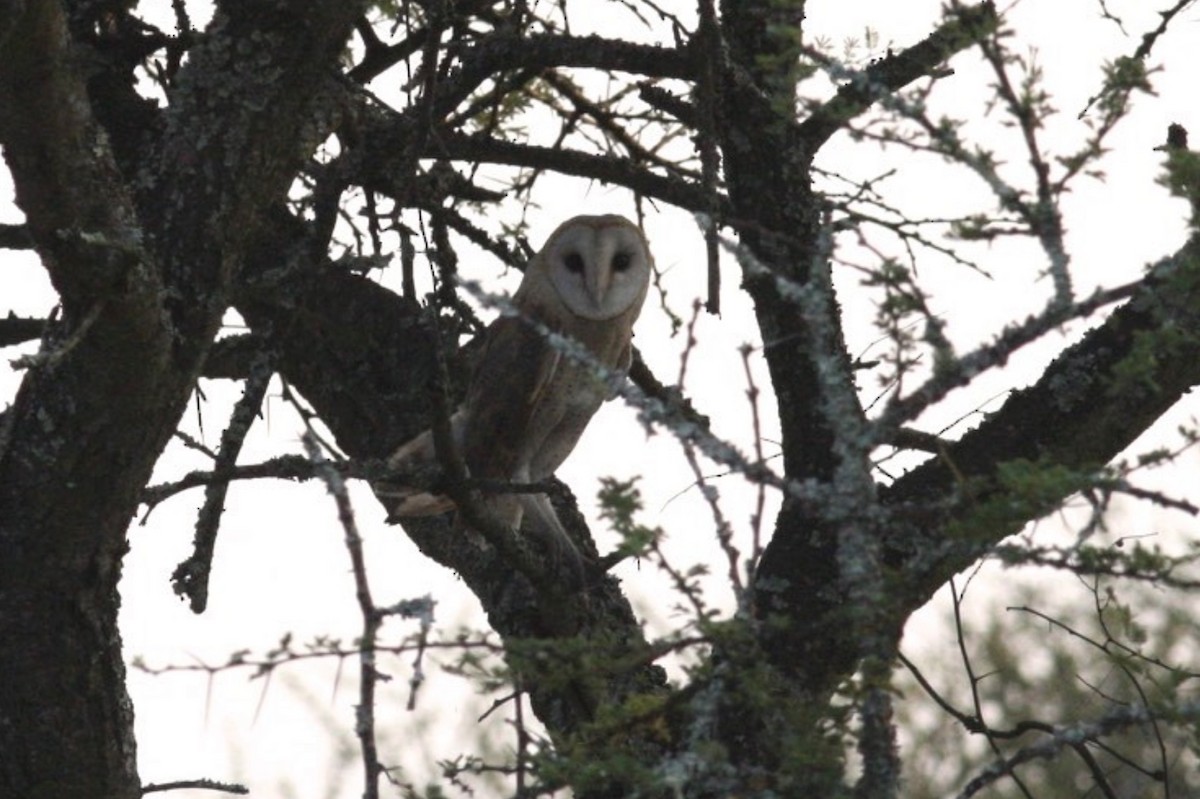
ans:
x=598 y=265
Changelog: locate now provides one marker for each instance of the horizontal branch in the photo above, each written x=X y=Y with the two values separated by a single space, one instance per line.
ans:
x=285 y=467
x=299 y=468
x=15 y=237
x=200 y=785
x=503 y=52
x=17 y=329
x=606 y=169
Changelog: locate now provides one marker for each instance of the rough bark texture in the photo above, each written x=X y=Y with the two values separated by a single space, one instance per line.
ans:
x=1079 y=415
x=142 y=274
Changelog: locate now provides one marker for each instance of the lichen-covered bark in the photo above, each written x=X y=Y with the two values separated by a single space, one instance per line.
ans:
x=1086 y=408
x=65 y=720
x=142 y=274
x=767 y=165
x=813 y=632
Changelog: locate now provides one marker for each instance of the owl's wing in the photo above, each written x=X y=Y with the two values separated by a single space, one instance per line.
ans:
x=417 y=456
x=515 y=370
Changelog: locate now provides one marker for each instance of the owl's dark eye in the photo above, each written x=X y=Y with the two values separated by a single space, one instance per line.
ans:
x=574 y=262
x=621 y=262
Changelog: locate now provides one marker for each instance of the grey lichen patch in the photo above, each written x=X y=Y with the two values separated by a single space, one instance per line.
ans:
x=1070 y=387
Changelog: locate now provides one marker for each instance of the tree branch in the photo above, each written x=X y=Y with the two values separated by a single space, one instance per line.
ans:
x=965 y=26
x=15 y=237
x=17 y=330
x=190 y=578
x=505 y=51
x=365 y=363
x=606 y=169
x=78 y=211
x=1089 y=405
x=200 y=784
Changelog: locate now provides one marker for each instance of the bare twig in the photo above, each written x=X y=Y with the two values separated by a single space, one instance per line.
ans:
x=201 y=784
x=973 y=680
x=364 y=726
x=1119 y=718
x=190 y=578
x=756 y=520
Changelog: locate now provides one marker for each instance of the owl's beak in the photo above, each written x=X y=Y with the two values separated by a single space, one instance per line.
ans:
x=598 y=281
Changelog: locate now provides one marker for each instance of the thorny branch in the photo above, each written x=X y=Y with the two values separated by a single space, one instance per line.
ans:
x=190 y=578
x=1138 y=564
x=297 y=467
x=1044 y=218
x=369 y=674
x=708 y=491
x=1145 y=46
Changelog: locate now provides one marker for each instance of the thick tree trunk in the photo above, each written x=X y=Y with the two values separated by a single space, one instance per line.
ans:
x=767 y=165
x=142 y=282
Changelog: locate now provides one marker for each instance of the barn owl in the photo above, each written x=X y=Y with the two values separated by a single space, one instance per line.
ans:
x=528 y=403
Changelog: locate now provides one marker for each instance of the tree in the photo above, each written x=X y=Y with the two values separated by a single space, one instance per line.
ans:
x=1093 y=650
x=167 y=179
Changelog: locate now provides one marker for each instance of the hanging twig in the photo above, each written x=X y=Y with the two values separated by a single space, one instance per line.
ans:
x=190 y=578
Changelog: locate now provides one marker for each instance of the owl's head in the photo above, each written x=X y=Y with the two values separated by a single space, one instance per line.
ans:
x=598 y=265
